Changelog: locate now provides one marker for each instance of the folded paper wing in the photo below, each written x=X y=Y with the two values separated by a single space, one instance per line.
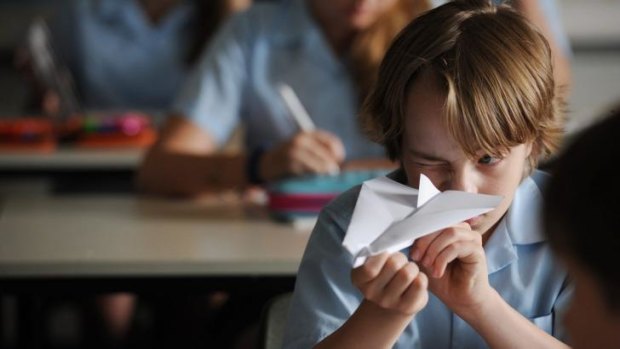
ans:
x=389 y=216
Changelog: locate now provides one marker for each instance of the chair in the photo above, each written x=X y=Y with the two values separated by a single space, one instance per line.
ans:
x=273 y=321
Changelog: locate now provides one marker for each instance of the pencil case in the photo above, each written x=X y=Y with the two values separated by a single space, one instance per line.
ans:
x=305 y=196
x=123 y=130
x=27 y=134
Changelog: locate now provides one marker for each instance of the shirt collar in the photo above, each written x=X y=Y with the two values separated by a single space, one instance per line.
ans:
x=524 y=216
x=520 y=226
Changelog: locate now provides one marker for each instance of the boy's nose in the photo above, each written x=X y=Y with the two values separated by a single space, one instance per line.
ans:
x=463 y=179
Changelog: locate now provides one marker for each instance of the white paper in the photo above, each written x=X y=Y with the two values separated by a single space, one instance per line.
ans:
x=389 y=216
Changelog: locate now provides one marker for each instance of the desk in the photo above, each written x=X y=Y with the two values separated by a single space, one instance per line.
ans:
x=100 y=243
x=123 y=242
x=68 y=170
x=124 y=235
x=68 y=158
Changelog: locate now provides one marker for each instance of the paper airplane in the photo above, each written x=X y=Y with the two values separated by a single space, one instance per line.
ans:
x=390 y=216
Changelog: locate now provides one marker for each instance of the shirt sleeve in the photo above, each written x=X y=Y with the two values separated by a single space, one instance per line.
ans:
x=324 y=296
x=212 y=95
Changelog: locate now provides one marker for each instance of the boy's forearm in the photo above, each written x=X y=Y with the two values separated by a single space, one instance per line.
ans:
x=369 y=327
x=501 y=326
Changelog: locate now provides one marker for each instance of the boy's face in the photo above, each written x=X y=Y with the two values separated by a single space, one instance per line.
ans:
x=589 y=320
x=428 y=148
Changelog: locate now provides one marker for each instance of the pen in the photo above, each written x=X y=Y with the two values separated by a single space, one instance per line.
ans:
x=297 y=110
x=299 y=113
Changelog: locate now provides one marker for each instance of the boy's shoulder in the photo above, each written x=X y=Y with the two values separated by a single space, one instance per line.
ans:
x=341 y=208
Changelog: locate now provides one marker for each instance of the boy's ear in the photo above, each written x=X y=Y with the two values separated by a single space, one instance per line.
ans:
x=531 y=153
x=530 y=147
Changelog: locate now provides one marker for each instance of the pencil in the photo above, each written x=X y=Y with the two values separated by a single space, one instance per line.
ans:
x=297 y=110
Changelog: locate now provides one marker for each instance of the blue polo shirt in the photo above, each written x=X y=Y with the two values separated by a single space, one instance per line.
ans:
x=271 y=43
x=118 y=58
x=521 y=267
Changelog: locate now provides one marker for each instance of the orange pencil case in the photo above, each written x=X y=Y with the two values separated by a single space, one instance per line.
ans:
x=27 y=134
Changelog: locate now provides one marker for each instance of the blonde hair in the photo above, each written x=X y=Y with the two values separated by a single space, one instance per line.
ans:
x=369 y=47
x=496 y=71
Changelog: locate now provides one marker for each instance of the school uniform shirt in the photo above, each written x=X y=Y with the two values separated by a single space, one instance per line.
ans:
x=521 y=268
x=118 y=58
x=269 y=44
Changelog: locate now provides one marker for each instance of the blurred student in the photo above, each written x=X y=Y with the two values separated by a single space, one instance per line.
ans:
x=545 y=15
x=581 y=221
x=327 y=51
x=132 y=54
x=466 y=96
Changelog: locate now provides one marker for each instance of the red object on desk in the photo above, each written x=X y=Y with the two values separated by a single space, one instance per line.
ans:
x=299 y=203
x=125 y=130
x=27 y=135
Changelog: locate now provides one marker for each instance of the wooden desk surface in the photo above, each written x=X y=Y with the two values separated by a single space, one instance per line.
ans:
x=75 y=236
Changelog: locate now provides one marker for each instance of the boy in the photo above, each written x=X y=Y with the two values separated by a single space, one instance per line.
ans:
x=465 y=95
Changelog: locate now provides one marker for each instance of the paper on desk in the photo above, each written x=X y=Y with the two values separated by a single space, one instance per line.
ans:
x=389 y=216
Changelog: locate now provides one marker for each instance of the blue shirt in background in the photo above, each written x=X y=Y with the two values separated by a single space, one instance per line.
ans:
x=236 y=80
x=119 y=59
x=521 y=267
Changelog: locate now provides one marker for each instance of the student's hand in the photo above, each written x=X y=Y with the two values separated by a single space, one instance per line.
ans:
x=306 y=152
x=393 y=283
x=455 y=262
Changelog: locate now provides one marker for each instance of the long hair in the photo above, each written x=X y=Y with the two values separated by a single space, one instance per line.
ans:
x=369 y=47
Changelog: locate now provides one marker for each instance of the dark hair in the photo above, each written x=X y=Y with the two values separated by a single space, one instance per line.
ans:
x=582 y=204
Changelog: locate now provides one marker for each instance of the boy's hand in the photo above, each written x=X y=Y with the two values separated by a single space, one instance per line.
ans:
x=306 y=152
x=393 y=283
x=455 y=262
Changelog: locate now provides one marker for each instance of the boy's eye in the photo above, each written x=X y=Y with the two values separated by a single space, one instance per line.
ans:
x=488 y=160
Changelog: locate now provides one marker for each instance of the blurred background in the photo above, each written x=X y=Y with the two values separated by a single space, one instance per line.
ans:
x=592 y=26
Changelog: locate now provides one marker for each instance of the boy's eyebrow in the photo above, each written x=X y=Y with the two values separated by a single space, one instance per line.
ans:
x=425 y=156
